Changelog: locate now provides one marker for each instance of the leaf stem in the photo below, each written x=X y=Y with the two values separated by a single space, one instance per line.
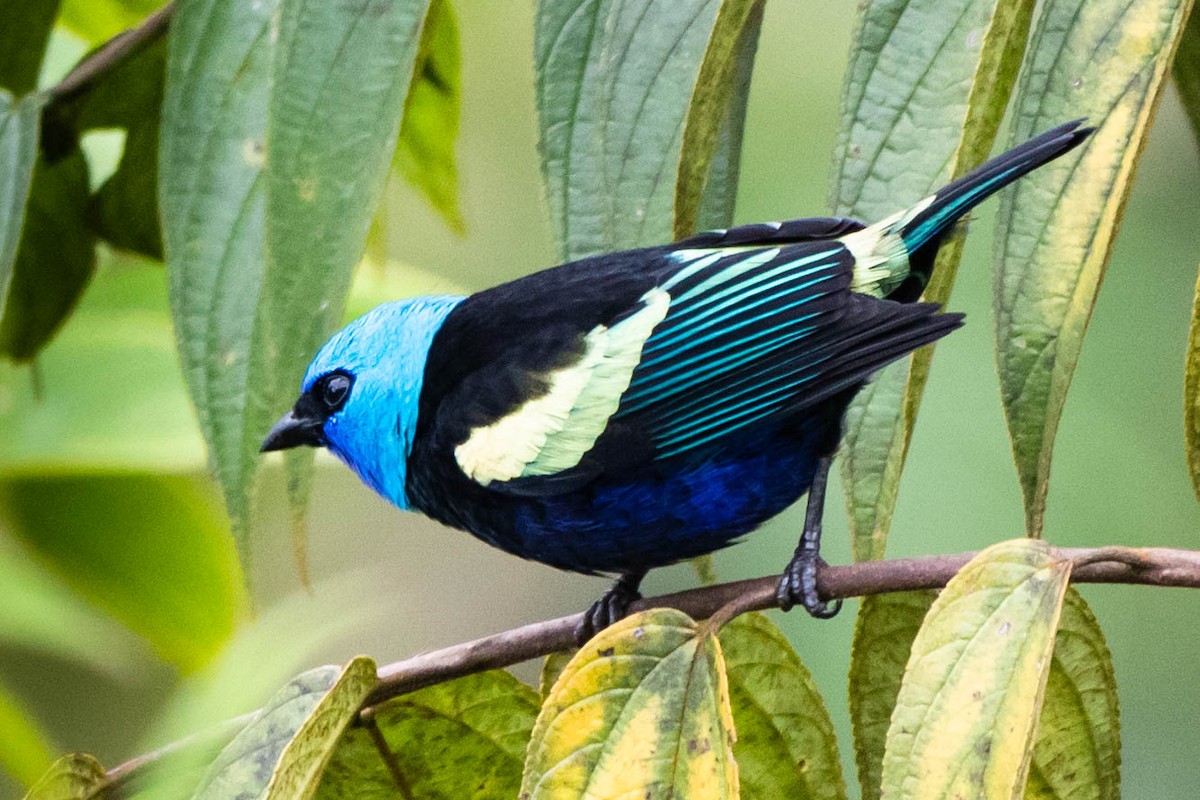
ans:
x=367 y=718
x=111 y=53
x=1149 y=566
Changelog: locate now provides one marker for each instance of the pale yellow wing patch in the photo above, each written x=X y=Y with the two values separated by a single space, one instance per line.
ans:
x=551 y=433
x=880 y=258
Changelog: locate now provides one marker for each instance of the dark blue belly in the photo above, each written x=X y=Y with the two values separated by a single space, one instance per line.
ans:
x=671 y=512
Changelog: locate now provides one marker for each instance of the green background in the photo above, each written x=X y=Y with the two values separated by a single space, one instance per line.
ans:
x=401 y=584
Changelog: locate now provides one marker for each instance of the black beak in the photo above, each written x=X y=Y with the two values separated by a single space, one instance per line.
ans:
x=293 y=431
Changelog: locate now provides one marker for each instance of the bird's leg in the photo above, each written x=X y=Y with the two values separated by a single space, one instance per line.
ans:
x=612 y=606
x=799 y=581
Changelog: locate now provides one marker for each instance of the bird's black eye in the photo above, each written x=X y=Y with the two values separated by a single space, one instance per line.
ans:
x=334 y=390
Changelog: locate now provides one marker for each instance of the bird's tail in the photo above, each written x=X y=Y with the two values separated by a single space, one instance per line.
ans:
x=909 y=240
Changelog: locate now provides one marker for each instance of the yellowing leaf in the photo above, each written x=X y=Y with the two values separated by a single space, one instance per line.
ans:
x=641 y=711
x=303 y=761
x=72 y=777
x=460 y=740
x=925 y=91
x=785 y=746
x=1105 y=60
x=1077 y=753
x=883 y=637
x=968 y=705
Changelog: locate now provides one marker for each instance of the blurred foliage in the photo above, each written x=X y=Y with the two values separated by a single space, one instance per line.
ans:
x=181 y=588
x=24 y=751
x=104 y=518
x=55 y=259
x=429 y=131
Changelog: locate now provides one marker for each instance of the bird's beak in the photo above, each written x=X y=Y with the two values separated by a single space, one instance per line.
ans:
x=293 y=431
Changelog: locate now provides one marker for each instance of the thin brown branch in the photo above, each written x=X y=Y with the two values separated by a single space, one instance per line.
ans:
x=112 y=53
x=1152 y=566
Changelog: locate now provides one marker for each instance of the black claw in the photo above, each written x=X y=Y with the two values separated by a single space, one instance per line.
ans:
x=798 y=584
x=611 y=607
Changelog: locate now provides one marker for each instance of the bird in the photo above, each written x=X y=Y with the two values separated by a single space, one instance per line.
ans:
x=634 y=409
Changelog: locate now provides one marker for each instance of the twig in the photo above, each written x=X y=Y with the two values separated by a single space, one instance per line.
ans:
x=112 y=53
x=1152 y=566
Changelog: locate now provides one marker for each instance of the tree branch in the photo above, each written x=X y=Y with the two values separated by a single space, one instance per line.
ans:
x=1152 y=566
x=112 y=53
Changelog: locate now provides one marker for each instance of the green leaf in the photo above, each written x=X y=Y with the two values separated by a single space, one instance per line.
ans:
x=919 y=108
x=55 y=259
x=460 y=740
x=180 y=588
x=641 y=710
x=1078 y=749
x=129 y=97
x=967 y=711
x=124 y=211
x=720 y=186
x=98 y=20
x=298 y=772
x=245 y=766
x=39 y=612
x=429 y=131
x=630 y=104
x=72 y=777
x=18 y=153
x=786 y=745
x=1186 y=70
x=25 y=750
x=712 y=132
x=212 y=151
x=337 y=96
x=552 y=667
x=1104 y=60
x=883 y=637
x=27 y=26
x=1191 y=394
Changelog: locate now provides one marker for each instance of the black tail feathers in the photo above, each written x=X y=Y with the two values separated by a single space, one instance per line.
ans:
x=922 y=234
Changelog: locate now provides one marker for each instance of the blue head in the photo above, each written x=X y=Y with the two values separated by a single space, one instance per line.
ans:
x=359 y=396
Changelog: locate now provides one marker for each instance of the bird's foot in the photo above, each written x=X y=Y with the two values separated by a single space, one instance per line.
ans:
x=799 y=585
x=611 y=607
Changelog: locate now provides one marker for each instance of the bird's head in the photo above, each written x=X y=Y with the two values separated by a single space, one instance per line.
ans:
x=360 y=394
